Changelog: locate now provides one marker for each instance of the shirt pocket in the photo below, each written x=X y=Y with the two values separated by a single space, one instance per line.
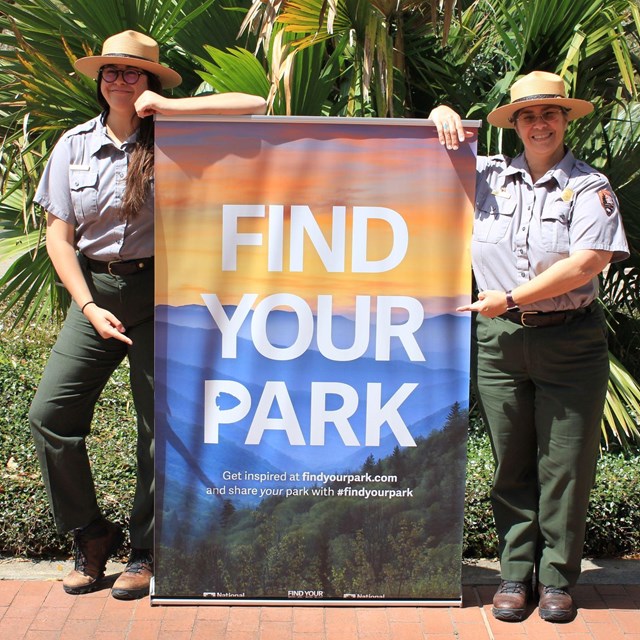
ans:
x=84 y=193
x=554 y=227
x=493 y=218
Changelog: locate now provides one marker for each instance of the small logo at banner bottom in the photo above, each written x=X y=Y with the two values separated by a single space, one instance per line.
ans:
x=363 y=595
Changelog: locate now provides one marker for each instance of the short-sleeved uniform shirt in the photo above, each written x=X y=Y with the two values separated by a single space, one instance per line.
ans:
x=83 y=184
x=521 y=228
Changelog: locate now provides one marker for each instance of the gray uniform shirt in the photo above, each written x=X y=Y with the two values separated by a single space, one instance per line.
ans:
x=83 y=184
x=521 y=228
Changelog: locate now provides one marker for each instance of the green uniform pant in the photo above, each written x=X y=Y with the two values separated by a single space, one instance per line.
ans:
x=541 y=392
x=79 y=367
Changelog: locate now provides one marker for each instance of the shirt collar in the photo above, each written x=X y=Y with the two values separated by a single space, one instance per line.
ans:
x=100 y=138
x=560 y=172
x=517 y=166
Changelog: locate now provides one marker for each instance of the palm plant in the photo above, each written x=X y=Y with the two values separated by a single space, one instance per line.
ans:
x=326 y=57
x=594 y=48
x=368 y=39
x=41 y=97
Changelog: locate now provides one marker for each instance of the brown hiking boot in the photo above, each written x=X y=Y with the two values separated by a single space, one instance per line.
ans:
x=133 y=582
x=93 y=546
x=556 y=604
x=510 y=600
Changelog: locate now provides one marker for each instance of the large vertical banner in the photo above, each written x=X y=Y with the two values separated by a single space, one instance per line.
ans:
x=311 y=370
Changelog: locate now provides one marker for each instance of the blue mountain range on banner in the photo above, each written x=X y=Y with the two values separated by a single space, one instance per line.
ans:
x=188 y=346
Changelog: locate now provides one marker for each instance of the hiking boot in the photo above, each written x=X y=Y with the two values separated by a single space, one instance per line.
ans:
x=133 y=582
x=556 y=605
x=510 y=601
x=94 y=544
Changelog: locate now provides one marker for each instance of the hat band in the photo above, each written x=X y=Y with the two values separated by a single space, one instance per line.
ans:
x=127 y=55
x=539 y=96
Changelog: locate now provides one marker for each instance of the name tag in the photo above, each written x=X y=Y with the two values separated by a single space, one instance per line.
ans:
x=501 y=193
x=79 y=167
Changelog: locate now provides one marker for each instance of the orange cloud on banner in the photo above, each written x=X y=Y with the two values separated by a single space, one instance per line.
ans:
x=203 y=167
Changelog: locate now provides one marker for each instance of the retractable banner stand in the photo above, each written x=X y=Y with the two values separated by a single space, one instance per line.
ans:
x=311 y=369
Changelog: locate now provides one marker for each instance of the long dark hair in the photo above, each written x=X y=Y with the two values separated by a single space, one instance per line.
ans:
x=140 y=170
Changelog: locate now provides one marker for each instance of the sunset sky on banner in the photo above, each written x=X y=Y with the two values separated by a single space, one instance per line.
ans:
x=338 y=171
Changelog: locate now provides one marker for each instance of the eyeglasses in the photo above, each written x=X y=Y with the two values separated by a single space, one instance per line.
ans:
x=130 y=76
x=548 y=115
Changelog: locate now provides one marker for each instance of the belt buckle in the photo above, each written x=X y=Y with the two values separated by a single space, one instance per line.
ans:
x=109 y=266
x=524 y=315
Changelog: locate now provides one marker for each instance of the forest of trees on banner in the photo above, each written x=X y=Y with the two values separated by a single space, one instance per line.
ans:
x=334 y=544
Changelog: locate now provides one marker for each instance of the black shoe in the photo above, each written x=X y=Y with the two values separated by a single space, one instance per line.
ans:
x=94 y=544
x=510 y=601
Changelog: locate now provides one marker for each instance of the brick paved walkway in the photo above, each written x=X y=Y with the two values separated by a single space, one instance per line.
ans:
x=40 y=610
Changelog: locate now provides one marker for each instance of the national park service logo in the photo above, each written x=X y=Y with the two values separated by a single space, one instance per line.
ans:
x=607 y=201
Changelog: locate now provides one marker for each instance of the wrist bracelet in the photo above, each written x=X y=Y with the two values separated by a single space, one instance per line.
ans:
x=85 y=304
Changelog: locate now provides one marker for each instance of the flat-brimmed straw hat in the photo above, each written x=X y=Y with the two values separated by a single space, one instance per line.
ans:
x=538 y=87
x=133 y=49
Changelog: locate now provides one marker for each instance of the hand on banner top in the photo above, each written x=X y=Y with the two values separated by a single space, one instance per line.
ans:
x=449 y=125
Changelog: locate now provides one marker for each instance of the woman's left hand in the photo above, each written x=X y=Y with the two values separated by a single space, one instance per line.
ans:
x=449 y=126
x=149 y=103
x=489 y=304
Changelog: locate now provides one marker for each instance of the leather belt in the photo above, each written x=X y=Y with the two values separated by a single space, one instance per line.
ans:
x=546 y=318
x=120 y=267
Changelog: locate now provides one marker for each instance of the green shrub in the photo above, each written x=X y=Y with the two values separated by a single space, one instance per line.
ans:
x=613 y=520
x=480 y=539
x=26 y=527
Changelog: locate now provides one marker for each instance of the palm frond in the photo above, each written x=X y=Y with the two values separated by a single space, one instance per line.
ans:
x=233 y=70
x=622 y=407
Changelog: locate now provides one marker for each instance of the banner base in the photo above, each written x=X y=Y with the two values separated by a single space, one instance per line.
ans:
x=298 y=602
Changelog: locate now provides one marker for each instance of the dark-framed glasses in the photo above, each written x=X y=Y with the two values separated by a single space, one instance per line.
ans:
x=548 y=115
x=130 y=76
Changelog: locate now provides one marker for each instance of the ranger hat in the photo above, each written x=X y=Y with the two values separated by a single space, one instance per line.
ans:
x=133 y=49
x=538 y=87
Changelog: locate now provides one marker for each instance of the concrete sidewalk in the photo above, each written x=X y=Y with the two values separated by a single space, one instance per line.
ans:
x=474 y=572
x=33 y=606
